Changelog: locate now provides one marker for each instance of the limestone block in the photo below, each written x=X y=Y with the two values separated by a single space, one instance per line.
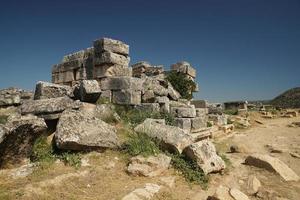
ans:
x=45 y=90
x=121 y=83
x=164 y=103
x=183 y=123
x=89 y=91
x=184 y=112
x=148 y=96
x=127 y=97
x=113 y=58
x=108 y=70
x=201 y=111
x=149 y=107
x=107 y=44
x=199 y=122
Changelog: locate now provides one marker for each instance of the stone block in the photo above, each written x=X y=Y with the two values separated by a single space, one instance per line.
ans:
x=185 y=68
x=89 y=91
x=219 y=120
x=182 y=112
x=200 y=103
x=121 y=83
x=149 y=107
x=109 y=70
x=148 y=96
x=112 y=58
x=201 y=111
x=199 y=122
x=107 y=44
x=127 y=97
x=106 y=96
x=183 y=123
x=164 y=103
x=45 y=90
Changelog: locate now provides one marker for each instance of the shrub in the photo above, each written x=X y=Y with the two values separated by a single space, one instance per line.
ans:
x=3 y=119
x=231 y=111
x=141 y=144
x=182 y=84
x=42 y=151
x=189 y=169
x=71 y=158
x=209 y=124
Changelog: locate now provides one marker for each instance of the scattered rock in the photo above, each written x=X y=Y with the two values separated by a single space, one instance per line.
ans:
x=173 y=138
x=234 y=149
x=48 y=108
x=237 y=194
x=272 y=164
x=258 y=121
x=18 y=137
x=266 y=194
x=204 y=153
x=77 y=130
x=150 y=166
x=13 y=97
x=89 y=91
x=22 y=171
x=274 y=148
x=295 y=155
x=110 y=165
x=146 y=192
x=45 y=90
x=221 y=193
x=253 y=185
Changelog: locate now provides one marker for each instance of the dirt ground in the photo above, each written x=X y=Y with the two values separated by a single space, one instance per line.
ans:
x=105 y=175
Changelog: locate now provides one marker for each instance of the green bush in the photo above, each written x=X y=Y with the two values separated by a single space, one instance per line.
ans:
x=170 y=120
x=3 y=119
x=182 y=84
x=141 y=144
x=71 y=158
x=231 y=111
x=189 y=169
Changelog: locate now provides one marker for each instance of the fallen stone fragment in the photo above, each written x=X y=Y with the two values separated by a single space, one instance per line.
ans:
x=237 y=194
x=13 y=97
x=172 y=93
x=173 y=138
x=48 y=108
x=89 y=91
x=272 y=164
x=221 y=193
x=253 y=185
x=204 y=153
x=266 y=194
x=146 y=192
x=295 y=155
x=258 y=121
x=45 y=90
x=23 y=171
x=78 y=130
x=150 y=166
x=18 y=137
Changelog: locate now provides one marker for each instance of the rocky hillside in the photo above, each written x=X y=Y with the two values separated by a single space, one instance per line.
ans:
x=288 y=99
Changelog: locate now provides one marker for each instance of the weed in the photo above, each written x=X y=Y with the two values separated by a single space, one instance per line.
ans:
x=103 y=100
x=141 y=144
x=230 y=111
x=42 y=152
x=189 y=169
x=209 y=124
x=71 y=158
x=182 y=84
x=170 y=120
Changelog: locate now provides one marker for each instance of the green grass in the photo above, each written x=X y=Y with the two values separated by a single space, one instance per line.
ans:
x=230 y=111
x=141 y=144
x=3 y=119
x=46 y=154
x=190 y=170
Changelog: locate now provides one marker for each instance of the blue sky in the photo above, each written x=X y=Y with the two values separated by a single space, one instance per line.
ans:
x=242 y=49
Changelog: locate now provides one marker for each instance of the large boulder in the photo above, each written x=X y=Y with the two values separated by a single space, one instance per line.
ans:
x=272 y=164
x=17 y=138
x=150 y=166
x=45 y=90
x=79 y=130
x=89 y=91
x=48 y=109
x=173 y=138
x=204 y=153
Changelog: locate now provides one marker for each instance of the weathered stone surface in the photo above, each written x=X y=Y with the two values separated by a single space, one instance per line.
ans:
x=183 y=123
x=237 y=194
x=199 y=122
x=185 y=68
x=45 y=90
x=112 y=58
x=78 y=130
x=164 y=103
x=253 y=185
x=148 y=96
x=149 y=107
x=82 y=54
x=227 y=128
x=184 y=112
x=89 y=91
x=200 y=112
x=172 y=93
x=219 y=120
x=143 y=68
x=18 y=137
x=48 y=108
x=222 y=193
x=105 y=112
x=10 y=97
x=168 y=181
x=107 y=44
x=127 y=97
x=121 y=83
x=200 y=103
x=150 y=166
x=204 y=153
x=272 y=164
x=146 y=192
x=157 y=85
x=173 y=138
x=111 y=70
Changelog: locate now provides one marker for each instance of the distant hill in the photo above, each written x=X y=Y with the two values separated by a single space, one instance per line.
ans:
x=288 y=99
